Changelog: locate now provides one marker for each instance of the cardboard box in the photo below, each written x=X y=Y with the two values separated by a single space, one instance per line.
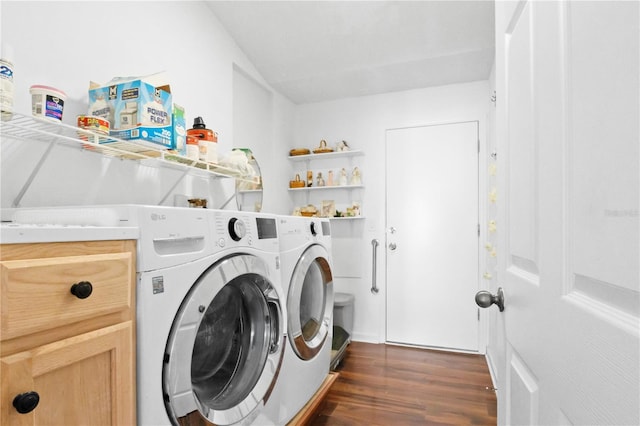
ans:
x=138 y=108
x=179 y=130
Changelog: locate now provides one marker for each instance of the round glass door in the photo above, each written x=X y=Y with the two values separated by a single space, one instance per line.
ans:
x=225 y=348
x=310 y=303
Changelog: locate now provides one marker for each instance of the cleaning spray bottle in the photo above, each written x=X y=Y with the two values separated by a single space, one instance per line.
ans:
x=207 y=140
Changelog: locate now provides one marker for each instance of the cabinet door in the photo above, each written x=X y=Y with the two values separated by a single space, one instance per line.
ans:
x=36 y=293
x=83 y=380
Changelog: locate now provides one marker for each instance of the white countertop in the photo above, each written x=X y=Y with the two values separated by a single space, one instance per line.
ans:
x=12 y=233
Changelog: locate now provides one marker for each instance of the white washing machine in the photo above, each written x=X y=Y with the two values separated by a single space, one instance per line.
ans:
x=210 y=315
x=307 y=279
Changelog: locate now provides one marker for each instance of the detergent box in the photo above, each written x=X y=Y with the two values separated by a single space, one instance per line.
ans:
x=179 y=130
x=138 y=108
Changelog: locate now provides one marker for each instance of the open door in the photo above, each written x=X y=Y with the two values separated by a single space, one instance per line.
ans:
x=568 y=217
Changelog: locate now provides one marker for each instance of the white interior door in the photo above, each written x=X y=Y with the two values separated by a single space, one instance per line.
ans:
x=567 y=125
x=432 y=236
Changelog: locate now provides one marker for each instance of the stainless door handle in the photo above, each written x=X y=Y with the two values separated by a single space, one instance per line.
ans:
x=392 y=246
x=484 y=299
x=374 y=285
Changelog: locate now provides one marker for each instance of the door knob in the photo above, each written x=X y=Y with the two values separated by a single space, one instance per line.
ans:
x=484 y=299
x=392 y=230
x=392 y=246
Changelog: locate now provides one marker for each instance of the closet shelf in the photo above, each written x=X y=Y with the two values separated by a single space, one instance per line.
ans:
x=326 y=188
x=49 y=131
x=325 y=156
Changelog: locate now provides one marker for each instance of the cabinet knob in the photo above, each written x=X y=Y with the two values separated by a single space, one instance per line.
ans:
x=26 y=402
x=82 y=290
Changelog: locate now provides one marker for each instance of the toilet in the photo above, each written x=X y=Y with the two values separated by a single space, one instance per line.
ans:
x=342 y=327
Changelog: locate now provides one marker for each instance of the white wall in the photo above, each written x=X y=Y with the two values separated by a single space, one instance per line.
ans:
x=67 y=44
x=362 y=122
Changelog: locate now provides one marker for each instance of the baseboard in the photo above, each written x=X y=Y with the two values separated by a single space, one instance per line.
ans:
x=366 y=338
x=492 y=372
x=315 y=405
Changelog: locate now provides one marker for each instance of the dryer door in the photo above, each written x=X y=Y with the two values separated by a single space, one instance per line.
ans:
x=310 y=302
x=226 y=345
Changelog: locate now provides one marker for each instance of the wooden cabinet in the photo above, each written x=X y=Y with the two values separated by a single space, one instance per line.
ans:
x=71 y=350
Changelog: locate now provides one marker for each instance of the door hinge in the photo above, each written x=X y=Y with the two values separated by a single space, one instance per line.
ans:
x=478 y=230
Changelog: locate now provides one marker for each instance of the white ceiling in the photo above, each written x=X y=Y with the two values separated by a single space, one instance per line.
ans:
x=312 y=51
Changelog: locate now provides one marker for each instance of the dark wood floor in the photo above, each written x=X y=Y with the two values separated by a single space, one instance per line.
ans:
x=393 y=385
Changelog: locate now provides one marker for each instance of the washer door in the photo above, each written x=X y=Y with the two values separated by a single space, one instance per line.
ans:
x=310 y=302
x=225 y=348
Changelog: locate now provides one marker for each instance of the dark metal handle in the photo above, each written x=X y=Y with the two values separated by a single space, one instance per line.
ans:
x=26 y=402
x=82 y=290
x=484 y=299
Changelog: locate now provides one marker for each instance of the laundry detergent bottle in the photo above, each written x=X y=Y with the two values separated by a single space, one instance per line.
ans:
x=207 y=140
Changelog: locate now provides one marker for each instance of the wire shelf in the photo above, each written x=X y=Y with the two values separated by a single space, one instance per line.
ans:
x=50 y=131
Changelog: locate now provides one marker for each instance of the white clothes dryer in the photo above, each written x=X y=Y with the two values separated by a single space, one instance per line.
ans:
x=305 y=247
x=210 y=316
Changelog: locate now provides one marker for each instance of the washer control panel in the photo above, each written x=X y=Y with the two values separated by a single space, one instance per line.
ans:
x=237 y=229
x=242 y=229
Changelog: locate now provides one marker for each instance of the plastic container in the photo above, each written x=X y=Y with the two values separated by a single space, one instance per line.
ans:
x=343 y=311
x=193 y=150
x=342 y=327
x=6 y=89
x=47 y=102
x=6 y=81
x=94 y=123
x=208 y=140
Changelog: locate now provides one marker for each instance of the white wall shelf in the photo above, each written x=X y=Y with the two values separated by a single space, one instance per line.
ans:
x=302 y=164
x=326 y=188
x=55 y=133
x=325 y=156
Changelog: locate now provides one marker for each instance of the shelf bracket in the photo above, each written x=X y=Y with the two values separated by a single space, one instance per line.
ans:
x=182 y=176
x=227 y=202
x=34 y=173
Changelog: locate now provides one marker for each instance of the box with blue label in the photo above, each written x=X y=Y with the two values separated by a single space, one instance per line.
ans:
x=138 y=109
x=179 y=130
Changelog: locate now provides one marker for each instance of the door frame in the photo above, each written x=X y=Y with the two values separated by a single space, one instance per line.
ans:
x=483 y=325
